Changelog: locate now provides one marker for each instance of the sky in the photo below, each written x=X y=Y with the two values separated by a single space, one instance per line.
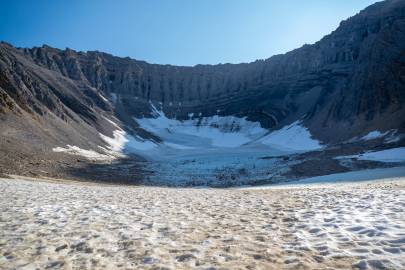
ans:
x=178 y=32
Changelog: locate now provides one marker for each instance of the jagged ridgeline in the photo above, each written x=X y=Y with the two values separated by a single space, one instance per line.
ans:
x=350 y=83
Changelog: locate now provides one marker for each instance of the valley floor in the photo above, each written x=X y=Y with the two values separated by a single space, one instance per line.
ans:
x=51 y=224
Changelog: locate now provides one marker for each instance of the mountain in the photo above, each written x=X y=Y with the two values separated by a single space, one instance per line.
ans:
x=346 y=92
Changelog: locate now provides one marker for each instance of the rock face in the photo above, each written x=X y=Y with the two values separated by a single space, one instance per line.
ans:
x=349 y=83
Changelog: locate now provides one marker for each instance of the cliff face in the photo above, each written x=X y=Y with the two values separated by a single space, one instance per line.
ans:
x=347 y=84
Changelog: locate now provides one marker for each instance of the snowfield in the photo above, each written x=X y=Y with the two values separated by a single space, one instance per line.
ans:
x=49 y=224
x=389 y=155
x=225 y=132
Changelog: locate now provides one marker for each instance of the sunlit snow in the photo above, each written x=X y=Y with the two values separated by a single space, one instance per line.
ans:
x=214 y=131
x=225 y=132
x=89 y=154
x=292 y=137
x=117 y=142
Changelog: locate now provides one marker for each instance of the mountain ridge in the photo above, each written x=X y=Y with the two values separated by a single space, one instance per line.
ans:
x=346 y=85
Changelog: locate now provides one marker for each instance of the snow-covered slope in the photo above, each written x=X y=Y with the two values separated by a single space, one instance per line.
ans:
x=294 y=137
x=225 y=132
x=205 y=132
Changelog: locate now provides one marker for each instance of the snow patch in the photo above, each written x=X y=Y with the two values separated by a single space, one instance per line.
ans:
x=117 y=142
x=103 y=98
x=117 y=145
x=393 y=137
x=113 y=150
x=389 y=136
x=292 y=137
x=374 y=135
x=89 y=154
x=389 y=155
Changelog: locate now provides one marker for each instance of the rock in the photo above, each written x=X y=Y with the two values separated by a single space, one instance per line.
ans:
x=185 y=257
x=54 y=264
x=61 y=247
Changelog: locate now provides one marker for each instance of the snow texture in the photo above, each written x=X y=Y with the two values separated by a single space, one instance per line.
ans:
x=56 y=224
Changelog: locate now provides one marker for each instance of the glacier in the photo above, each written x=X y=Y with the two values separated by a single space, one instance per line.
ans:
x=205 y=150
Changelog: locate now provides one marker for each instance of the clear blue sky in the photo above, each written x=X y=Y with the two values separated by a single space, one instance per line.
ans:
x=180 y=32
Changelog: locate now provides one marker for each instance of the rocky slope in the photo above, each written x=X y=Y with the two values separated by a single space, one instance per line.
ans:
x=344 y=86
